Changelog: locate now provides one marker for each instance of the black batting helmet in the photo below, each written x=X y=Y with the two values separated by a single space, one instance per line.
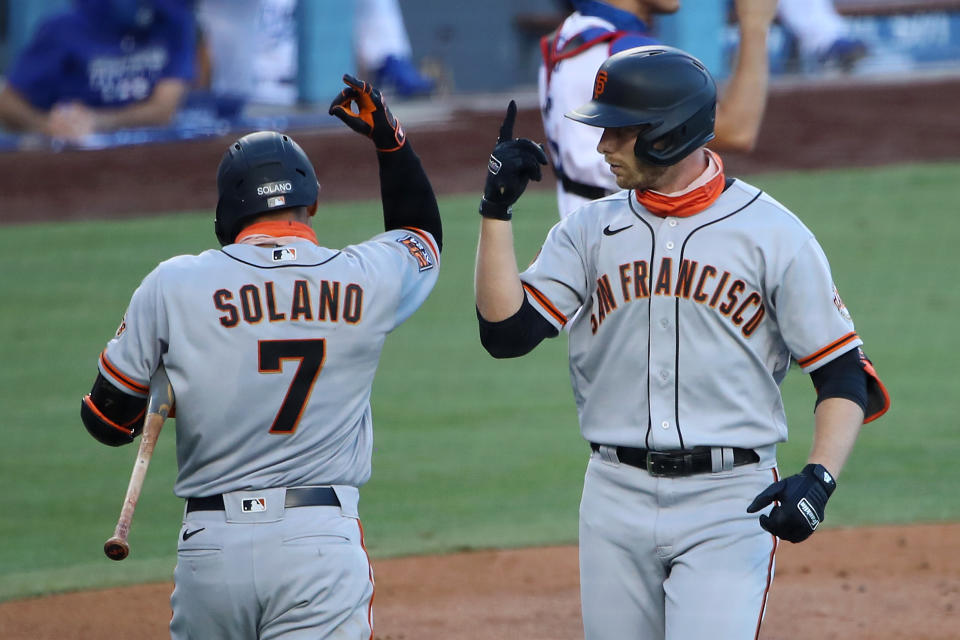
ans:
x=664 y=88
x=261 y=172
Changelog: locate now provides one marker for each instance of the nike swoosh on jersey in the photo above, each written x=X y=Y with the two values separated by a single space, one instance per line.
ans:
x=189 y=534
x=607 y=231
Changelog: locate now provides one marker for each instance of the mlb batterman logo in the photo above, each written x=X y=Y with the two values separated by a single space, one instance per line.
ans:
x=253 y=505
x=599 y=84
x=285 y=254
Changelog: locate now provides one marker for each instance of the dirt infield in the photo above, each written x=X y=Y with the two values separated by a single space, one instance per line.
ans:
x=885 y=583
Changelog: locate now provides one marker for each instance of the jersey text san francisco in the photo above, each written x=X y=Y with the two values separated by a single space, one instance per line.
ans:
x=704 y=284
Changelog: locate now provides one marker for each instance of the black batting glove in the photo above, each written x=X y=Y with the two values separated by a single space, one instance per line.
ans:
x=513 y=163
x=802 y=497
x=372 y=117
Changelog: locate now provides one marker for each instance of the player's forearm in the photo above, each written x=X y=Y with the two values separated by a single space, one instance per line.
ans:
x=16 y=114
x=408 y=198
x=740 y=109
x=497 y=280
x=837 y=424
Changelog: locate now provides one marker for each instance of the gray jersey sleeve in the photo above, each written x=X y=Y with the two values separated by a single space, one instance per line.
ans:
x=813 y=320
x=132 y=356
x=556 y=282
x=410 y=253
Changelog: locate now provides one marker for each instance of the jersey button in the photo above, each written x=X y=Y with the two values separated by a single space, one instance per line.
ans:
x=672 y=222
x=664 y=374
x=669 y=245
x=664 y=323
x=665 y=424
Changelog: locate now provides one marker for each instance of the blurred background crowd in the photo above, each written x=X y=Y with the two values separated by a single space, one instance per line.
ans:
x=99 y=73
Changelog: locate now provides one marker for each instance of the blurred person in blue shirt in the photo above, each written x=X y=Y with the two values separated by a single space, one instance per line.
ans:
x=101 y=66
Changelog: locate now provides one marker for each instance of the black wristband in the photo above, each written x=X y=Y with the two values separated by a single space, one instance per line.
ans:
x=495 y=210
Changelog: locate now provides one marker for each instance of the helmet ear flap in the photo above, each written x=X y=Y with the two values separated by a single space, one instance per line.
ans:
x=650 y=151
x=677 y=143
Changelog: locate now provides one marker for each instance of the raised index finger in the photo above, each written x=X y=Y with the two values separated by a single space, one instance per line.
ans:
x=506 y=129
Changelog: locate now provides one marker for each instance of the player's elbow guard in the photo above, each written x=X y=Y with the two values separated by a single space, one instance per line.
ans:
x=111 y=416
x=517 y=335
x=843 y=377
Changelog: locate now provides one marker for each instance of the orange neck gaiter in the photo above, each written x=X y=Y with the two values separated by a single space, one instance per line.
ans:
x=279 y=229
x=701 y=193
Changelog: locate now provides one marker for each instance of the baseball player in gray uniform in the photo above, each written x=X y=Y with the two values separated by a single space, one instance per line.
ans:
x=688 y=295
x=271 y=344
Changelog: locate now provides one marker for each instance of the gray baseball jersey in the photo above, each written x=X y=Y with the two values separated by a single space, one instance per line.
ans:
x=681 y=330
x=299 y=328
x=271 y=352
x=689 y=323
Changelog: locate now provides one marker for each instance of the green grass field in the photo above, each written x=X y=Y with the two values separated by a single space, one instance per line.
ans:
x=470 y=452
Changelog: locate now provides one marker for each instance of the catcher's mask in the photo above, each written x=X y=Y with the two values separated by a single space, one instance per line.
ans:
x=665 y=89
x=261 y=172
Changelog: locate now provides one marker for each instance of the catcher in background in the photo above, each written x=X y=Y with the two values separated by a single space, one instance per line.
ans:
x=688 y=294
x=271 y=344
x=597 y=29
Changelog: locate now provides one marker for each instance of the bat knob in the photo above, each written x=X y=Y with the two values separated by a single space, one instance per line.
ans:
x=116 y=548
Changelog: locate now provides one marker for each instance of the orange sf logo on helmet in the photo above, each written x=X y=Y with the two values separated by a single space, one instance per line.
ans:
x=600 y=84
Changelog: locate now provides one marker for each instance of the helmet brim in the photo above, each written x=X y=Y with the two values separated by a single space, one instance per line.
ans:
x=597 y=114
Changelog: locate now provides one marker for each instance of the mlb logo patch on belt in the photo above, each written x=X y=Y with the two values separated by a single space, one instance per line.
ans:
x=253 y=505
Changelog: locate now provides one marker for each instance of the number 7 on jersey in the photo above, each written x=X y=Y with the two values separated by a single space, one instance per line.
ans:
x=311 y=354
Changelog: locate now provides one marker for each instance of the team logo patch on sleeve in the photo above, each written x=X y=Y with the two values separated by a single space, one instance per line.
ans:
x=123 y=326
x=418 y=251
x=838 y=302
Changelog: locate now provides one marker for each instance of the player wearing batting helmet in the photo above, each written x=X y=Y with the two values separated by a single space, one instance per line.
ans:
x=271 y=344
x=687 y=295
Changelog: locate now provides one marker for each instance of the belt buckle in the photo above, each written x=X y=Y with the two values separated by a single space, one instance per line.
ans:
x=662 y=464
x=655 y=466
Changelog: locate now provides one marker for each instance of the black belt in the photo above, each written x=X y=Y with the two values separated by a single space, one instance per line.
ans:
x=682 y=462
x=296 y=497
x=588 y=191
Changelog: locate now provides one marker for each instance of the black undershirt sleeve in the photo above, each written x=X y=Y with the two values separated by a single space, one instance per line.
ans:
x=842 y=377
x=517 y=335
x=408 y=198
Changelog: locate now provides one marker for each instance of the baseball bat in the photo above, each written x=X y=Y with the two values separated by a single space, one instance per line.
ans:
x=159 y=403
